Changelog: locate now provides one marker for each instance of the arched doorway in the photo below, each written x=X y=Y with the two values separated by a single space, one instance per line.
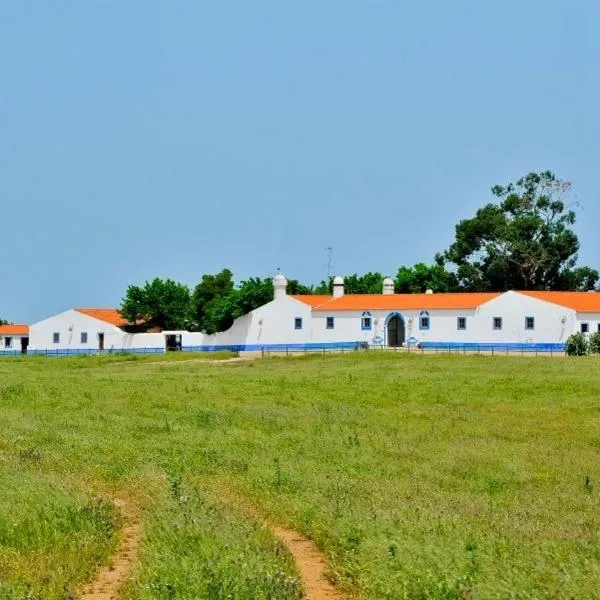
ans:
x=395 y=331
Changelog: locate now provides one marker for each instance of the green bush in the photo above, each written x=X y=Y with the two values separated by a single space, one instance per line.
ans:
x=594 y=343
x=577 y=345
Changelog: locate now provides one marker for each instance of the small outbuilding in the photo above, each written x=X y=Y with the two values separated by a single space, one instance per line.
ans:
x=14 y=339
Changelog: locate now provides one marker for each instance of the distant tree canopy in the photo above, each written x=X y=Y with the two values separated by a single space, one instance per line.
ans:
x=422 y=277
x=524 y=241
x=3 y=322
x=161 y=303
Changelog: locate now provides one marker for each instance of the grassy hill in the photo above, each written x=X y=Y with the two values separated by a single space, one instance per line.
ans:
x=418 y=476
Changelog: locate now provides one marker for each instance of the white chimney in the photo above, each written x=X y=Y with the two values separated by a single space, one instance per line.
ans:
x=388 y=286
x=338 y=287
x=280 y=286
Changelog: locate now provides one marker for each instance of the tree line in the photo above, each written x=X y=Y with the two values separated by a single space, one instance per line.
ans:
x=523 y=241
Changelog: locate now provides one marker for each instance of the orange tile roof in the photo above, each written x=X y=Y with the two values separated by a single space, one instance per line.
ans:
x=313 y=300
x=577 y=301
x=408 y=301
x=108 y=315
x=14 y=329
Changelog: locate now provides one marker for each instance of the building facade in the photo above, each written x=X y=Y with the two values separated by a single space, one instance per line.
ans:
x=540 y=321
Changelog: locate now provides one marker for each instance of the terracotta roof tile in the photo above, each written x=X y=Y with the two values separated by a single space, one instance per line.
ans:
x=408 y=301
x=577 y=301
x=14 y=330
x=313 y=300
x=108 y=315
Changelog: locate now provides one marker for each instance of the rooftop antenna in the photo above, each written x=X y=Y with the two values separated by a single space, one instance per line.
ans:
x=329 y=255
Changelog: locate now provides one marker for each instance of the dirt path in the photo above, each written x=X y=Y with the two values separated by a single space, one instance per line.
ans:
x=110 y=578
x=310 y=562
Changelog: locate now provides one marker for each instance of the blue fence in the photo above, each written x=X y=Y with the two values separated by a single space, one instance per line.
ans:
x=495 y=348
x=450 y=347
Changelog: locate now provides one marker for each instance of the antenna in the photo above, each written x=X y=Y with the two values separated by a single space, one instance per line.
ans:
x=329 y=255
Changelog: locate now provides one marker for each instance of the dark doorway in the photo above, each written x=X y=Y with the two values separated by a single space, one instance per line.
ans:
x=173 y=342
x=100 y=341
x=24 y=344
x=395 y=331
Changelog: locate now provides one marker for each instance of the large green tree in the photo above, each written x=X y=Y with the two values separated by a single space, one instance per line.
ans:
x=222 y=311
x=161 y=304
x=422 y=277
x=523 y=241
x=369 y=283
x=208 y=297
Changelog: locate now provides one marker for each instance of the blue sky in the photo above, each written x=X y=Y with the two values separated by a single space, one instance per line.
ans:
x=142 y=139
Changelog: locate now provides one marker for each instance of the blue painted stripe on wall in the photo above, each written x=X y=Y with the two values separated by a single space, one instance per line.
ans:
x=467 y=346
x=489 y=346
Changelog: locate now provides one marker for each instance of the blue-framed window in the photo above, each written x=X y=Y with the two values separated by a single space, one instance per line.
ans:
x=329 y=323
x=461 y=323
x=424 y=321
x=585 y=328
x=530 y=323
x=56 y=338
x=298 y=323
x=84 y=337
x=366 y=321
x=497 y=323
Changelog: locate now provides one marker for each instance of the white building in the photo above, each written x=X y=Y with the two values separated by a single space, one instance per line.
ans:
x=540 y=321
x=14 y=339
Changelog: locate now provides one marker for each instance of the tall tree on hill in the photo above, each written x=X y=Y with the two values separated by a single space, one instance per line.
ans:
x=524 y=241
x=161 y=304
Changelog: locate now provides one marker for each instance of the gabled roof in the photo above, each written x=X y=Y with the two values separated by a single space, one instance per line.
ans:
x=313 y=300
x=577 y=301
x=14 y=330
x=108 y=315
x=408 y=301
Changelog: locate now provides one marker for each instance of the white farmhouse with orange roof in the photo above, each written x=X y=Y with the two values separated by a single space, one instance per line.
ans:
x=540 y=321
x=86 y=330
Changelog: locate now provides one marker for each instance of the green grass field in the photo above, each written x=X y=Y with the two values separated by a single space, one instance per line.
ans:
x=418 y=476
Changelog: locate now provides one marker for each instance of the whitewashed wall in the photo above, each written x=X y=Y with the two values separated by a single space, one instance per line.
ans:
x=15 y=343
x=270 y=324
x=592 y=319
x=274 y=324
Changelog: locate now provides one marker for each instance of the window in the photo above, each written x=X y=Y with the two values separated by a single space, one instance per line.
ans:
x=529 y=322
x=84 y=337
x=461 y=323
x=585 y=327
x=497 y=322
x=366 y=321
x=8 y=342
x=598 y=327
x=298 y=323
x=56 y=337
x=423 y=320
x=330 y=323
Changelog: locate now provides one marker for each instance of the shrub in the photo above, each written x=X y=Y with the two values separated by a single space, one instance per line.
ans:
x=577 y=345
x=594 y=343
